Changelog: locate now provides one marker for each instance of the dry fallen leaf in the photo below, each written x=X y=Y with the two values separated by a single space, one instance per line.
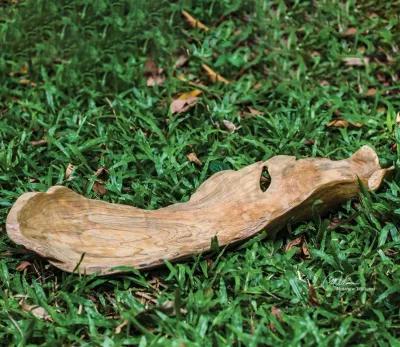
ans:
x=355 y=61
x=155 y=81
x=252 y=112
x=343 y=123
x=69 y=170
x=194 y=159
x=27 y=82
x=23 y=265
x=194 y=22
x=182 y=60
x=150 y=67
x=381 y=77
x=349 y=32
x=154 y=74
x=229 y=126
x=99 y=188
x=184 y=101
x=301 y=242
x=398 y=118
x=277 y=313
x=38 y=142
x=37 y=311
x=371 y=92
x=255 y=112
x=214 y=76
x=338 y=123
x=295 y=242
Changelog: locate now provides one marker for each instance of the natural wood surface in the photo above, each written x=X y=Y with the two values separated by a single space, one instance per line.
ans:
x=61 y=225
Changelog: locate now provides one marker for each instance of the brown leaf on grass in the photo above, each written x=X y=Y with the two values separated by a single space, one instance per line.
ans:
x=69 y=170
x=295 y=242
x=251 y=112
x=185 y=101
x=99 y=188
x=194 y=23
x=27 y=82
x=355 y=61
x=23 y=265
x=343 y=123
x=214 y=76
x=255 y=112
x=194 y=159
x=277 y=313
x=37 y=311
x=155 y=81
x=182 y=60
x=371 y=92
x=312 y=295
x=119 y=327
x=229 y=126
x=153 y=73
x=150 y=67
x=349 y=32
x=301 y=242
x=381 y=77
x=38 y=142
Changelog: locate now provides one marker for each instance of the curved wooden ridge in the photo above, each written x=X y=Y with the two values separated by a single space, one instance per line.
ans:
x=62 y=225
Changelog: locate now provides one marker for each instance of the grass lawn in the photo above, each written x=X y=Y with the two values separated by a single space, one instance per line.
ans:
x=74 y=94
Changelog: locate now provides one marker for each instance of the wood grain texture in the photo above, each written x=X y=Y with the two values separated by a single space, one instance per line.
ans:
x=61 y=225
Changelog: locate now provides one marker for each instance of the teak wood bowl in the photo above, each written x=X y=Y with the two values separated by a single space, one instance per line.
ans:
x=70 y=230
